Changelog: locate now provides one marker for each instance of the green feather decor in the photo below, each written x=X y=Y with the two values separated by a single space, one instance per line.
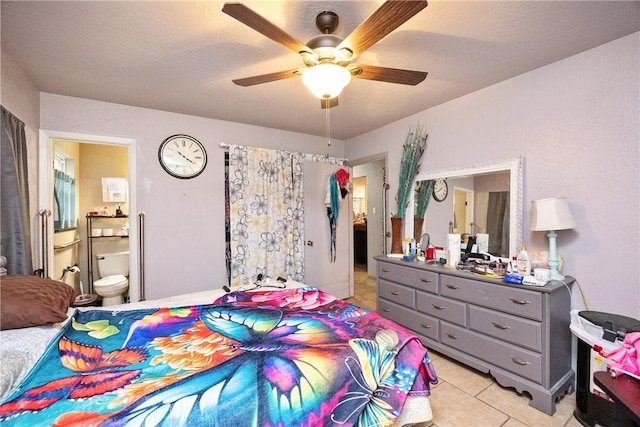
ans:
x=424 y=190
x=414 y=145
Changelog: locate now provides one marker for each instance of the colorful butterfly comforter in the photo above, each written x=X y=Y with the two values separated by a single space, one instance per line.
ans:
x=297 y=357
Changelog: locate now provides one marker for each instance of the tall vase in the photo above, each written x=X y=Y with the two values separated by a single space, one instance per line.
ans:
x=396 y=235
x=417 y=229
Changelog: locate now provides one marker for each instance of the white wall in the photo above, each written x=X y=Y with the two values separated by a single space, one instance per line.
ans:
x=576 y=123
x=184 y=234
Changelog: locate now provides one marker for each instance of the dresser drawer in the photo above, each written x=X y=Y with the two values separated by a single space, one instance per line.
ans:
x=406 y=275
x=520 y=361
x=516 y=330
x=442 y=308
x=420 y=323
x=397 y=293
x=520 y=302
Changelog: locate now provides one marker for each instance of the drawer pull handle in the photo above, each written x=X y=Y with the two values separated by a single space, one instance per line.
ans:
x=424 y=325
x=519 y=362
x=453 y=337
x=437 y=307
x=453 y=286
x=395 y=293
x=499 y=326
x=519 y=301
x=385 y=270
x=423 y=280
x=386 y=310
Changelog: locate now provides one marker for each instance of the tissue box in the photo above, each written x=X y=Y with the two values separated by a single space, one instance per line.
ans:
x=96 y=232
x=107 y=232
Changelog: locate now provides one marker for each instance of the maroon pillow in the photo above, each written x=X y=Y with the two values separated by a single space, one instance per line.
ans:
x=32 y=301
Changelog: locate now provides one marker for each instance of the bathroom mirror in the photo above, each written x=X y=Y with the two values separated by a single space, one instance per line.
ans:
x=482 y=199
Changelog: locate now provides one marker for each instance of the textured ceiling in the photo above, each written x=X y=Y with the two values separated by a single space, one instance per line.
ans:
x=181 y=56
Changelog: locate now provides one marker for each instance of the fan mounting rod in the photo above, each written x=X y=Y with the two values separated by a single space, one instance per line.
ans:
x=327 y=22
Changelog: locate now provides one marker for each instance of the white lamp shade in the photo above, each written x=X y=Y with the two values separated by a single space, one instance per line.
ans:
x=326 y=81
x=551 y=214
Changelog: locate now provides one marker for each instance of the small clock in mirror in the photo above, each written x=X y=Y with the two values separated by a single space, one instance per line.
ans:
x=440 y=190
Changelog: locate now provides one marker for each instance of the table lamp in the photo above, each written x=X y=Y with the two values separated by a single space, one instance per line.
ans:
x=551 y=215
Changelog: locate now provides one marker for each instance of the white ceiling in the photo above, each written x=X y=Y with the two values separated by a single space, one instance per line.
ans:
x=181 y=56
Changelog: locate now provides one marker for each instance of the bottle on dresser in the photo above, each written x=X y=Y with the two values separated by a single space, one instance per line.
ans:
x=523 y=262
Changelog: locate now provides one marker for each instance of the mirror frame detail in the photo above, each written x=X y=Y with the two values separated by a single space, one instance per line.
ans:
x=515 y=168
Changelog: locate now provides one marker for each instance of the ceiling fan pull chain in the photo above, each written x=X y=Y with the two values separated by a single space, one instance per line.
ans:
x=327 y=121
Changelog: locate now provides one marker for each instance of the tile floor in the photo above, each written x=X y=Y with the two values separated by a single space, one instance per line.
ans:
x=466 y=397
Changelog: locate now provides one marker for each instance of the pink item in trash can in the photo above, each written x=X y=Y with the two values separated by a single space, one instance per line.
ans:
x=626 y=358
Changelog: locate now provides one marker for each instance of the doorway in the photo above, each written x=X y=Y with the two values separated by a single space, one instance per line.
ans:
x=369 y=225
x=98 y=148
x=463 y=220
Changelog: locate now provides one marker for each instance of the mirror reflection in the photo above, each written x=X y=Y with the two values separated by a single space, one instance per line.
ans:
x=481 y=203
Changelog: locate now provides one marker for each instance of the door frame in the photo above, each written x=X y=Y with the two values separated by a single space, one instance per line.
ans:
x=386 y=220
x=46 y=155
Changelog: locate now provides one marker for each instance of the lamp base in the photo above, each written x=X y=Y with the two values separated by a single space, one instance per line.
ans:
x=555 y=275
x=553 y=257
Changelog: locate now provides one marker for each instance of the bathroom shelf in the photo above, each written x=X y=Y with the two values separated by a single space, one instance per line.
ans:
x=90 y=239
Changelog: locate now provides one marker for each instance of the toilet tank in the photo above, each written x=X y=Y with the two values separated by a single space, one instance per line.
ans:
x=113 y=263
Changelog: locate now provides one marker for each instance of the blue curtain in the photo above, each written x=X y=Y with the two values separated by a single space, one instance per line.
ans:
x=64 y=192
x=14 y=198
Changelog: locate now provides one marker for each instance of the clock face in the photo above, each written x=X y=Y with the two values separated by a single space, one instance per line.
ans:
x=182 y=156
x=440 y=190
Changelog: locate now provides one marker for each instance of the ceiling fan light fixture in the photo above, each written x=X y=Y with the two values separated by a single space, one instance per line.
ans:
x=326 y=81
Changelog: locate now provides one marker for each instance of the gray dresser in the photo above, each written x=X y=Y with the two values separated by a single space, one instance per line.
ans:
x=519 y=334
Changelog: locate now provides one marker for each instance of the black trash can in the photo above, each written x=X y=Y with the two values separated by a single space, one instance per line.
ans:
x=606 y=330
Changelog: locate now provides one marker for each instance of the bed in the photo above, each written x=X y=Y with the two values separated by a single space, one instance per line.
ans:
x=292 y=356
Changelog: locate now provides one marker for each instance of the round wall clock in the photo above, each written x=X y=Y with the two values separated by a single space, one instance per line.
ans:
x=182 y=156
x=440 y=190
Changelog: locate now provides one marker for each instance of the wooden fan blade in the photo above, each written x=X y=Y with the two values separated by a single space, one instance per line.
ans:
x=333 y=102
x=389 y=75
x=387 y=18
x=266 y=78
x=251 y=19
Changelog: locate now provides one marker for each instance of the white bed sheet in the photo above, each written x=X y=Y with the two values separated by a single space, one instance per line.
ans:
x=20 y=349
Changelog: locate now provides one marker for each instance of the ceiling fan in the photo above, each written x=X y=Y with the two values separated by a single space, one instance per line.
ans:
x=331 y=52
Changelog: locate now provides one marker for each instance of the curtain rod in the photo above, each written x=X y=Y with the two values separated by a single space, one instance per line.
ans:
x=344 y=159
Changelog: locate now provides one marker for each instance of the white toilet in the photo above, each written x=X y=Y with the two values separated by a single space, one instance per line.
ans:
x=113 y=269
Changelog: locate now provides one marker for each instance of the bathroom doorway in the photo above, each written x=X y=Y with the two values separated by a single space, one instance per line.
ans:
x=369 y=181
x=463 y=211
x=103 y=157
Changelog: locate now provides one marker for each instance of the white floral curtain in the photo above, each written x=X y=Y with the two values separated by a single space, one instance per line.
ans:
x=266 y=213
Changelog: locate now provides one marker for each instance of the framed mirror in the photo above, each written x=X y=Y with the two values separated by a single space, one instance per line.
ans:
x=483 y=202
